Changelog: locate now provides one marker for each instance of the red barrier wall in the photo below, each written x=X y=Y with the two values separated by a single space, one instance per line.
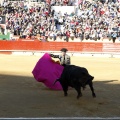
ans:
x=52 y=46
x=56 y=46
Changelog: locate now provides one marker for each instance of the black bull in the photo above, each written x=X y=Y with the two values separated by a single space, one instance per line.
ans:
x=75 y=77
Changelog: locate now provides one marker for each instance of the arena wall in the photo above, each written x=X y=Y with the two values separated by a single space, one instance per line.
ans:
x=76 y=48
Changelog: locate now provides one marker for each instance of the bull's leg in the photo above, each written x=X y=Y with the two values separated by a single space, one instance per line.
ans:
x=78 y=89
x=92 y=89
x=65 y=89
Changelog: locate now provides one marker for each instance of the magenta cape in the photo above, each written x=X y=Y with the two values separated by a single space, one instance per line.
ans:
x=47 y=71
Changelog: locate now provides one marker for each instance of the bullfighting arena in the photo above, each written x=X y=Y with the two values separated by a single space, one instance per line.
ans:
x=22 y=96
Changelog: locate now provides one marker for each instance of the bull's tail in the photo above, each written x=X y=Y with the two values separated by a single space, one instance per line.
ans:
x=55 y=81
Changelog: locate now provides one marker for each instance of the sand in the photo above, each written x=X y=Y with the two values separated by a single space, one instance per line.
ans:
x=22 y=96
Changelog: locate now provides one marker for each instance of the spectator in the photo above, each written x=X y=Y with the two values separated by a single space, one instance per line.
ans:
x=92 y=21
x=114 y=35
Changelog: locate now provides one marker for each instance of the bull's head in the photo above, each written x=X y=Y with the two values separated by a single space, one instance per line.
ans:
x=86 y=80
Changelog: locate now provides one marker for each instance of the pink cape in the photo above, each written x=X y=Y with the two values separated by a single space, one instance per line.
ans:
x=47 y=71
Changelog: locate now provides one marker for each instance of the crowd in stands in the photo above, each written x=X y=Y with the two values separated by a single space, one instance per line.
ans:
x=62 y=2
x=94 y=20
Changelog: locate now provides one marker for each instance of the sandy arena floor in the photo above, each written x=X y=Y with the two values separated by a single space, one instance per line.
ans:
x=22 y=96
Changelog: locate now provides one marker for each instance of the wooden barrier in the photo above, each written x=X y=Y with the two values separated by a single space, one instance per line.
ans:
x=56 y=46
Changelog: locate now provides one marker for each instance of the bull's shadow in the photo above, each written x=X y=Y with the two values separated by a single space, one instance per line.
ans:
x=102 y=82
x=105 y=81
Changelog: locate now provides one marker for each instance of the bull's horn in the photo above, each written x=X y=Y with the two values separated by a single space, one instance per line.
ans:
x=92 y=77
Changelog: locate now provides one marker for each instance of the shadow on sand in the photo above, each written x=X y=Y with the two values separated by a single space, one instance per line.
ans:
x=23 y=96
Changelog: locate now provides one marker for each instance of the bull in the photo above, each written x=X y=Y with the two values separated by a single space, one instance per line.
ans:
x=75 y=77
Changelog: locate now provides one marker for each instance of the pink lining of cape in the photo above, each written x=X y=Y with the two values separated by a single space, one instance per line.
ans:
x=47 y=71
